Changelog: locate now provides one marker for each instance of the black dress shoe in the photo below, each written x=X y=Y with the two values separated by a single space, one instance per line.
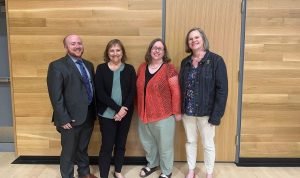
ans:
x=89 y=176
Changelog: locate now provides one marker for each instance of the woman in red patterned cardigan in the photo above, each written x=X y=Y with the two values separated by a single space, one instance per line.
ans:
x=158 y=101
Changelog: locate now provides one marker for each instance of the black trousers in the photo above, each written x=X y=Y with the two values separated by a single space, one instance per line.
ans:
x=74 y=144
x=114 y=137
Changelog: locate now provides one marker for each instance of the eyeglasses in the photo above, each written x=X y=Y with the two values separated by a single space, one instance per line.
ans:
x=157 y=49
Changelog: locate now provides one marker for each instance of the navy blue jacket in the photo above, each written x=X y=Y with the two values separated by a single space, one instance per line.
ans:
x=211 y=86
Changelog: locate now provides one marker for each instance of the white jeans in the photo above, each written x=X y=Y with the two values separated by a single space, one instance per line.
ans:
x=192 y=126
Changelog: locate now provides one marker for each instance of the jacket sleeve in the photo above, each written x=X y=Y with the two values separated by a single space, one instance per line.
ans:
x=102 y=96
x=132 y=90
x=55 y=82
x=221 y=92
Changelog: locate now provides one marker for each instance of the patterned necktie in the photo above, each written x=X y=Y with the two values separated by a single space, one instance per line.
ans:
x=86 y=80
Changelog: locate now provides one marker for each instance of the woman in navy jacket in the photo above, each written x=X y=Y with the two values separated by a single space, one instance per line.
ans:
x=204 y=88
x=115 y=91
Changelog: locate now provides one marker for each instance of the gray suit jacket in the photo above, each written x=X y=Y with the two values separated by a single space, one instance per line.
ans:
x=67 y=91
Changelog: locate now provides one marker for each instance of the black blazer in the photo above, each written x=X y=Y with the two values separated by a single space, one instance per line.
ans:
x=67 y=91
x=103 y=85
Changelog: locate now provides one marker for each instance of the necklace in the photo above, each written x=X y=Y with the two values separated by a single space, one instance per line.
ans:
x=151 y=66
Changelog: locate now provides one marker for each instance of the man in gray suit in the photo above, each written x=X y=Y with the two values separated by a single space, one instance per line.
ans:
x=71 y=91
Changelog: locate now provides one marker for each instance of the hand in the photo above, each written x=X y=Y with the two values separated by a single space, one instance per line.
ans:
x=123 y=111
x=117 y=117
x=178 y=117
x=67 y=126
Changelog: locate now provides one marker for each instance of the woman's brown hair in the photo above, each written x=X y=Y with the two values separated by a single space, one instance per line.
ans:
x=113 y=43
x=148 y=57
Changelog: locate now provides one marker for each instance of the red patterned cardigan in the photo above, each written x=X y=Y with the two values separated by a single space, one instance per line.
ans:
x=162 y=94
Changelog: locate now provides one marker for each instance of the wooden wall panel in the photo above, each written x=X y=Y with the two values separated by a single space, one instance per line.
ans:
x=271 y=95
x=36 y=31
x=221 y=22
x=270 y=124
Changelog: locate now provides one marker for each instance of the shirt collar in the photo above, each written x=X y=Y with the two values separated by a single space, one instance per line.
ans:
x=74 y=59
x=205 y=58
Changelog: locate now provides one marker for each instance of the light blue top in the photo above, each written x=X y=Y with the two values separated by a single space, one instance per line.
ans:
x=116 y=93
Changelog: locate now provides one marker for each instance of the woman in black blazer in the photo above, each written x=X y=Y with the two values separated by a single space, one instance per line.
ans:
x=115 y=91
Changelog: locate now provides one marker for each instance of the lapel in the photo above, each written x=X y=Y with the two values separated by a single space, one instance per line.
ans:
x=73 y=67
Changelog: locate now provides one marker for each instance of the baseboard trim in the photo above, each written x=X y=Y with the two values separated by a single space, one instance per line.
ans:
x=132 y=160
x=129 y=160
x=269 y=162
